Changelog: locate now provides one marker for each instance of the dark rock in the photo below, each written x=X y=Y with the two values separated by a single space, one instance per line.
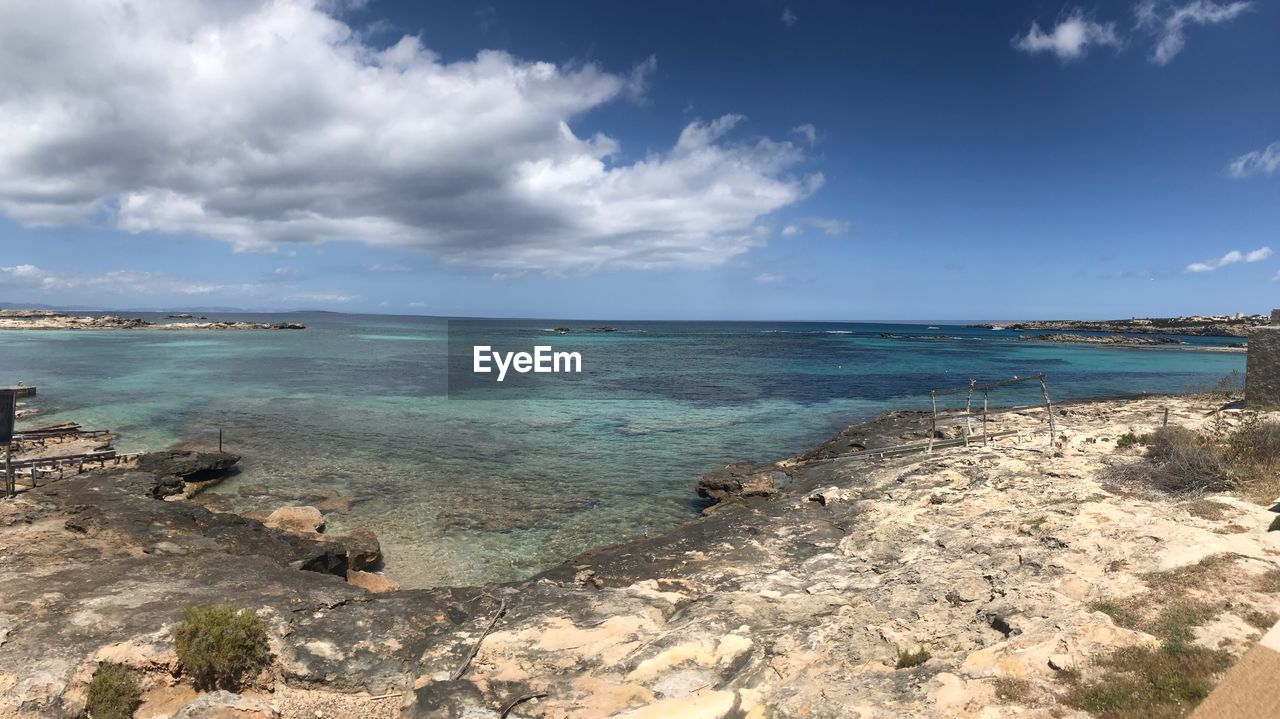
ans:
x=742 y=479
x=363 y=549
x=188 y=465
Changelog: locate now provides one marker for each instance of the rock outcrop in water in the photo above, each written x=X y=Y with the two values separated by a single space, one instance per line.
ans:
x=1101 y=339
x=50 y=320
x=1213 y=326
x=794 y=599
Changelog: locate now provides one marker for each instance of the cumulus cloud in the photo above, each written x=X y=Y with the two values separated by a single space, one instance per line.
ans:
x=1230 y=258
x=1070 y=39
x=268 y=123
x=1259 y=162
x=1169 y=22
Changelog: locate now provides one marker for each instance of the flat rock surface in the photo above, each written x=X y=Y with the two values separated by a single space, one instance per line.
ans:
x=792 y=602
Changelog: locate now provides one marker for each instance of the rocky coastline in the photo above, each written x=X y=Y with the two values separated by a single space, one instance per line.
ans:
x=1100 y=339
x=1212 y=326
x=796 y=594
x=51 y=320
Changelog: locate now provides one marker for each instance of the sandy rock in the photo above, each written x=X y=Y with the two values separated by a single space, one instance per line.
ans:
x=225 y=705
x=830 y=495
x=742 y=479
x=1061 y=663
x=708 y=705
x=299 y=520
x=371 y=582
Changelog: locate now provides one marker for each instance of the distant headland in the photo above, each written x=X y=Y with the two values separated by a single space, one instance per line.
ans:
x=1237 y=325
x=17 y=319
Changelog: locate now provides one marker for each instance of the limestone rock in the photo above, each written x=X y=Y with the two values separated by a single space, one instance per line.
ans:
x=299 y=520
x=742 y=479
x=371 y=582
x=830 y=495
x=225 y=705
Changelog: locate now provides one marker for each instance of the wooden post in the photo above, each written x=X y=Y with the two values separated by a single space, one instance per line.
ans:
x=968 y=413
x=219 y=440
x=10 y=484
x=984 y=416
x=933 y=426
x=1166 y=417
x=1053 y=432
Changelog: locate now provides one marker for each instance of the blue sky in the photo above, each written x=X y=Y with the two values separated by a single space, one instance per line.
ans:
x=718 y=160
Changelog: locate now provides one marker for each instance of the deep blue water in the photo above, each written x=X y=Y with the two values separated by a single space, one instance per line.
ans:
x=468 y=490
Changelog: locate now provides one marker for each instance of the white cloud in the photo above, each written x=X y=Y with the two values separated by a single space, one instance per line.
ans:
x=265 y=123
x=141 y=284
x=1259 y=162
x=1230 y=258
x=769 y=278
x=808 y=132
x=1070 y=39
x=1169 y=23
x=789 y=17
x=829 y=226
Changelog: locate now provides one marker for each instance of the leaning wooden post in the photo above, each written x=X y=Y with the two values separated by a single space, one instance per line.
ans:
x=933 y=426
x=10 y=486
x=1053 y=432
x=984 y=416
x=968 y=413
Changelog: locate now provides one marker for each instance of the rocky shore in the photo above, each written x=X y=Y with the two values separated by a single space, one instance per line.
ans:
x=973 y=581
x=50 y=320
x=1213 y=326
x=1101 y=339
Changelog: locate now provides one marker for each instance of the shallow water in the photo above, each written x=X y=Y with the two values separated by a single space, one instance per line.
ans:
x=463 y=491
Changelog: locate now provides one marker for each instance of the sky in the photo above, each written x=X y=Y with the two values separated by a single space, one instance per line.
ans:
x=605 y=160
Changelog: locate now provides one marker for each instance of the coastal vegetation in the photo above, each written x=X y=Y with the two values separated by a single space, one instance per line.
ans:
x=1156 y=593
x=1237 y=325
x=1168 y=680
x=113 y=692
x=1180 y=461
x=908 y=658
x=221 y=646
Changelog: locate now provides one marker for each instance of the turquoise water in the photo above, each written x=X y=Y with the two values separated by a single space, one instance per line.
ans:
x=463 y=491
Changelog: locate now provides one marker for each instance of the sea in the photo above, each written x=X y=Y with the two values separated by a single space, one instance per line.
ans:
x=468 y=484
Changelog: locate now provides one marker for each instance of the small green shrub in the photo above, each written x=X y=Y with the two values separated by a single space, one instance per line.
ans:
x=1261 y=620
x=1120 y=612
x=1253 y=451
x=1275 y=524
x=1146 y=683
x=1178 y=462
x=1127 y=440
x=113 y=693
x=1012 y=690
x=1256 y=442
x=908 y=659
x=220 y=646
